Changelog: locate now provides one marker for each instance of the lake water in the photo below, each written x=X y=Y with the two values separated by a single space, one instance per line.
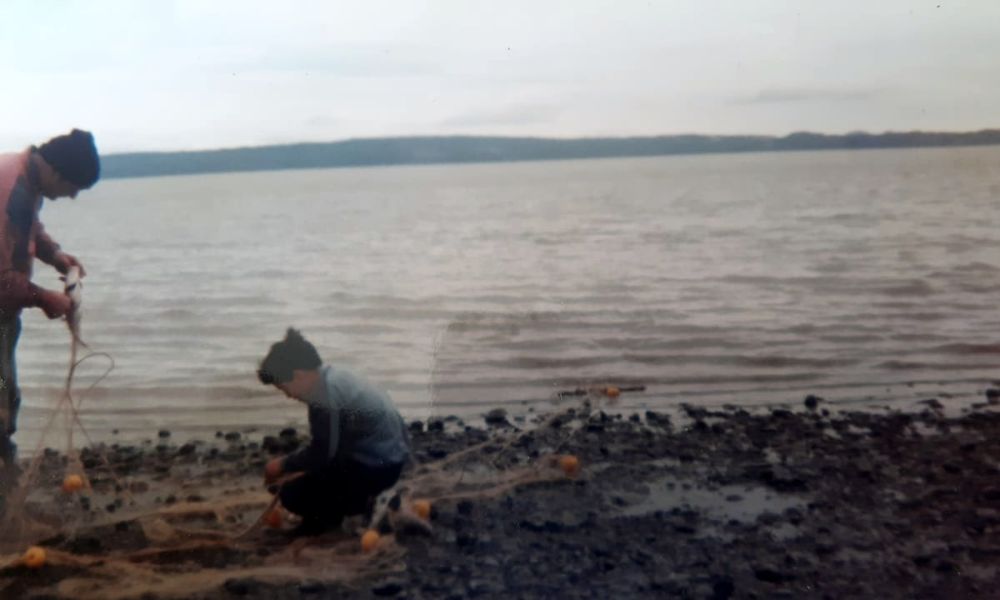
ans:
x=864 y=277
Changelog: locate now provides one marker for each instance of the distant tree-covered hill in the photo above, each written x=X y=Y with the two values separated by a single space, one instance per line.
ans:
x=462 y=149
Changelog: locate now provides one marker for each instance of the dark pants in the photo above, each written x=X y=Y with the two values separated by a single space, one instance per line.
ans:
x=10 y=398
x=342 y=490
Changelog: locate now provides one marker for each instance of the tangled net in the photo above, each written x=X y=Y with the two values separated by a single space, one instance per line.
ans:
x=196 y=546
x=192 y=547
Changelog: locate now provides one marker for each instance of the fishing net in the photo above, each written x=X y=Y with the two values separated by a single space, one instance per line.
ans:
x=224 y=530
x=197 y=546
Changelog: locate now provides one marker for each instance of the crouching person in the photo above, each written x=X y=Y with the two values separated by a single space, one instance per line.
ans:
x=359 y=442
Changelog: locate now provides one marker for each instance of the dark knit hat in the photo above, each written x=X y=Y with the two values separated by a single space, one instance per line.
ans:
x=293 y=352
x=74 y=157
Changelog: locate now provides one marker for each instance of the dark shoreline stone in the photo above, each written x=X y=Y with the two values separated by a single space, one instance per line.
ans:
x=497 y=418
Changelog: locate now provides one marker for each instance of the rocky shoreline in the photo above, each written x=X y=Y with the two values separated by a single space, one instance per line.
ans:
x=699 y=503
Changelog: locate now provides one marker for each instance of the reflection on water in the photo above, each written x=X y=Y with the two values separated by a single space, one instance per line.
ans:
x=723 y=503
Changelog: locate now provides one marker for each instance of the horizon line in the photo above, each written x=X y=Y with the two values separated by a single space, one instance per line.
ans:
x=856 y=132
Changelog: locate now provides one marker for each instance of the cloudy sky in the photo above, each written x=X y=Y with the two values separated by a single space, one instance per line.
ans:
x=187 y=74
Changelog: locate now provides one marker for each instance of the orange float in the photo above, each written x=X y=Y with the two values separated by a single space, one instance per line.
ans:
x=34 y=557
x=72 y=483
x=569 y=464
x=612 y=392
x=422 y=508
x=369 y=540
x=273 y=518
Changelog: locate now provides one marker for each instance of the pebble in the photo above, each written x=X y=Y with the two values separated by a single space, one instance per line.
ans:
x=497 y=418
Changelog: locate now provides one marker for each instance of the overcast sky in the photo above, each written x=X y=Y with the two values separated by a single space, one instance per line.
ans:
x=211 y=73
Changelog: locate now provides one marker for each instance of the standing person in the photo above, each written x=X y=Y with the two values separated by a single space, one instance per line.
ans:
x=59 y=168
x=359 y=442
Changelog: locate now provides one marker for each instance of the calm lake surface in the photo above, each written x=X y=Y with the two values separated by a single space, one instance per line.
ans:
x=866 y=277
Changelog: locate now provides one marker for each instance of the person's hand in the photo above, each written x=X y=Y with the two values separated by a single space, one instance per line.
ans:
x=54 y=304
x=64 y=262
x=273 y=470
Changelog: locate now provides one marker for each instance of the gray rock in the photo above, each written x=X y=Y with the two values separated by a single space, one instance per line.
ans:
x=722 y=587
x=497 y=418
x=239 y=587
x=541 y=525
x=772 y=575
x=311 y=586
x=387 y=588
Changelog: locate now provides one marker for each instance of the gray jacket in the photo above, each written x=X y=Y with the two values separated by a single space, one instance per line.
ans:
x=350 y=420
